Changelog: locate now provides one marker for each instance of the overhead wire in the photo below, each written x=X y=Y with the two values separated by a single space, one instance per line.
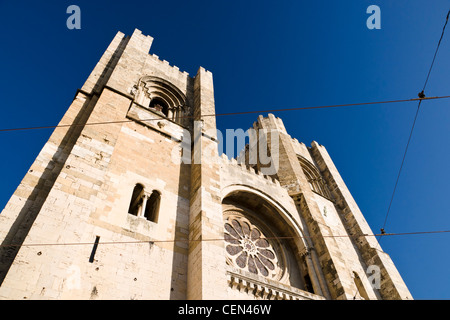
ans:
x=217 y=239
x=422 y=96
x=229 y=113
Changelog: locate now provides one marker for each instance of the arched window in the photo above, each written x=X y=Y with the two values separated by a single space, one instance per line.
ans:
x=314 y=178
x=136 y=200
x=152 y=206
x=159 y=94
x=160 y=106
x=143 y=204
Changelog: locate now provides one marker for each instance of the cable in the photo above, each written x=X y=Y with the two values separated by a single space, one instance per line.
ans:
x=401 y=167
x=217 y=239
x=230 y=113
x=422 y=96
x=437 y=48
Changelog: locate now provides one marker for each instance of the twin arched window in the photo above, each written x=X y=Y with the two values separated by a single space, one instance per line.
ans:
x=144 y=204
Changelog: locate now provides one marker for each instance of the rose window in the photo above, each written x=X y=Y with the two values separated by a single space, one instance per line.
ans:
x=248 y=248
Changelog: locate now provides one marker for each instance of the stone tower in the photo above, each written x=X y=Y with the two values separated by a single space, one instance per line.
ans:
x=130 y=199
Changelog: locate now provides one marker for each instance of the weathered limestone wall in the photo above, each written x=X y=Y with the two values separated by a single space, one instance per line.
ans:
x=369 y=250
x=206 y=263
x=90 y=198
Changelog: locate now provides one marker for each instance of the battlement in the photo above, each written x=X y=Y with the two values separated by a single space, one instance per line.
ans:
x=166 y=64
x=247 y=169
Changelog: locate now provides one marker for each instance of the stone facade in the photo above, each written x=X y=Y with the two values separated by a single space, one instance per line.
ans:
x=126 y=209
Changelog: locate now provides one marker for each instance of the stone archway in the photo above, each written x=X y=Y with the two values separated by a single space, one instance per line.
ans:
x=264 y=244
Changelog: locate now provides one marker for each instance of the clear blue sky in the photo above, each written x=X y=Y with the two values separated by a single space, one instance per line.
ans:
x=267 y=55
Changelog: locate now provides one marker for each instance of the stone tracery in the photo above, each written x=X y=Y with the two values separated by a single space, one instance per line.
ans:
x=248 y=248
x=152 y=91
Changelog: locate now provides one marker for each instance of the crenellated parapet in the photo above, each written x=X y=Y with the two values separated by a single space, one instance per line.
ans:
x=240 y=168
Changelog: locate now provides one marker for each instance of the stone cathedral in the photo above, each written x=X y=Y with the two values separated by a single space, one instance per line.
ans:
x=111 y=209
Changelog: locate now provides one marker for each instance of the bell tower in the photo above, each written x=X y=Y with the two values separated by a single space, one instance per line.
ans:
x=352 y=263
x=111 y=176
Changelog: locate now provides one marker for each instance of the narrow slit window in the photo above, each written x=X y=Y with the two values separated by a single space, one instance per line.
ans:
x=94 y=249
